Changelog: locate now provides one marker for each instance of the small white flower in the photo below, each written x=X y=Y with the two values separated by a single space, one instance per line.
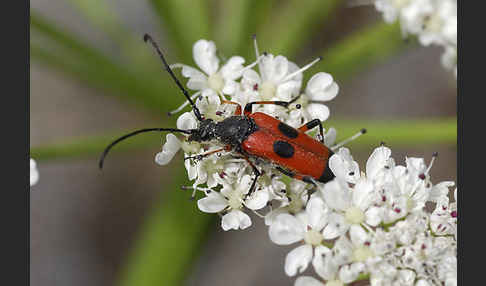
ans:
x=307 y=227
x=443 y=220
x=352 y=206
x=232 y=199
x=212 y=79
x=34 y=174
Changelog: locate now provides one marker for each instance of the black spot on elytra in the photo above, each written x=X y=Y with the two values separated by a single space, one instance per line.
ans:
x=283 y=149
x=287 y=130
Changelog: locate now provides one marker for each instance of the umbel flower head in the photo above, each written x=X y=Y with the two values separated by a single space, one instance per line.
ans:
x=434 y=22
x=366 y=223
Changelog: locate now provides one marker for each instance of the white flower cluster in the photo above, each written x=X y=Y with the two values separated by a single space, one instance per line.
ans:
x=432 y=21
x=34 y=174
x=361 y=225
x=372 y=225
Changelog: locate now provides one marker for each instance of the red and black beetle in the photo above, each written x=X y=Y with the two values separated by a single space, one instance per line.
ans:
x=256 y=135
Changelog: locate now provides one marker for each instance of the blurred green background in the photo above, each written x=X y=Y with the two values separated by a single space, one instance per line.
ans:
x=93 y=79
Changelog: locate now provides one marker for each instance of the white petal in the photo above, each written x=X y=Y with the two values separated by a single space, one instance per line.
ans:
x=250 y=78
x=293 y=68
x=286 y=229
x=213 y=203
x=343 y=166
x=337 y=226
x=230 y=87
x=288 y=90
x=377 y=161
x=374 y=216
x=342 y=250
x=204 y=53
x=187 y=121
x=191 y=170
x=235 y=219
x=440 y=191
x=319 y=111
x=307 y=281
x=34 y=174
x=406 y=277
x=336 y=195
x=358 y=235
x=170 y=148
x=323 y=263
x=197 y=80
x=317 y=213
x=298 y=259
x=232 y=69
x=322 y=87
x=362 y=193
x=274 y=69
x=257 y=200
x=349 y=273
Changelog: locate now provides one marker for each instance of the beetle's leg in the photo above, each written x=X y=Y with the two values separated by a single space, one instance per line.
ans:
x=311 y=124
x=238 y=106
x=248 y=106
x=256 y=172
x=201 y=156
x=307 y=179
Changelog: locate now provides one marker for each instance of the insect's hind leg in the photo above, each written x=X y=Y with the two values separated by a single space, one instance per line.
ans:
x=311 y=124
x=307 y=179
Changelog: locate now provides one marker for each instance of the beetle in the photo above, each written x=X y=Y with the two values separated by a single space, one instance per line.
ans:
x=254 y=135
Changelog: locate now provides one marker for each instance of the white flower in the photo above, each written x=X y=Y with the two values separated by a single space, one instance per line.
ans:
x=347 y=259
x=432 y=21
x=34 y=174
x=320 y=88
x=213 y=78
x=443 y=220
x=307 y=227
x=351 y=206
x=232 y=199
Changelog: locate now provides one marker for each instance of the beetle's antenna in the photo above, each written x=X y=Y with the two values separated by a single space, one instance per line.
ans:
x=108 y=148
x=146 y=38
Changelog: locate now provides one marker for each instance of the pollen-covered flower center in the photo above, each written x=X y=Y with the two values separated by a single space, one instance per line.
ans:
x=313 y=237
x=216 y=81
x=354 y=215
x=360 y=254
x=234 y=200
x=268 y=90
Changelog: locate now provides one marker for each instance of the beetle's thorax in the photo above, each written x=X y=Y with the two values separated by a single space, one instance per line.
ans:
x=231 y=131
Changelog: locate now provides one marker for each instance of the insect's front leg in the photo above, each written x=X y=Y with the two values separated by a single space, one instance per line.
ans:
x=249 y=106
